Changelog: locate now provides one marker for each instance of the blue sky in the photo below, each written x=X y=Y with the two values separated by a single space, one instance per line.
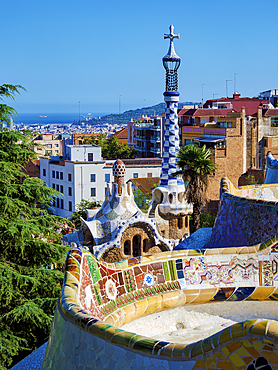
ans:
x=91 y=51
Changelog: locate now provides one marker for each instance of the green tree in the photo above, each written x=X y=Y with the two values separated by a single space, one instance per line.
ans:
x=31 y=255
x=111 y=148
x=81 y=211
x=6 y=112
x=195 y=165
x=142 y=200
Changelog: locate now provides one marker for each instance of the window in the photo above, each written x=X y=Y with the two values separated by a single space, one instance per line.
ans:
x=56 y=151
x=80 y=142
x=93 y=177
x=53 y=186
x=127 y=249
x=56 y=145
x=90 y=156
x=149 y=174
x=53 y=174
x=48 y=146
x=44 y=172
x=70 y=206
x=180 y=222
x=62 y=204
x=187 y=141
x=61 y=189
x=61 y=175
x=69 y=176
x=57 y=187
x=57 y=202
x=57 y=175
x=136 y=245
x=69 y=191
x=135 y=175
x=93 y=192
x=145 y=245
x=274 y=121
x=107 y=177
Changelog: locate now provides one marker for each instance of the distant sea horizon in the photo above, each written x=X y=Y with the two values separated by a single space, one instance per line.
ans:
x=52 y=118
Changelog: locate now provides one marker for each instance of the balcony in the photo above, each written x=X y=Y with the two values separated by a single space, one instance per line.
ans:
x=140 y=148
x=203 y=131
x=142 y=126
x=146 y=126
x=139 y=137
x=155 y=128
x=155 y=139
x=155 y=150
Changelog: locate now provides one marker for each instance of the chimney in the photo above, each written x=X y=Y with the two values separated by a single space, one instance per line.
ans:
x=236 y=95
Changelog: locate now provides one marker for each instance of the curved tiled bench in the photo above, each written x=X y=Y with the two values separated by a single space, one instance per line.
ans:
x=247 y=215
x=97 y=298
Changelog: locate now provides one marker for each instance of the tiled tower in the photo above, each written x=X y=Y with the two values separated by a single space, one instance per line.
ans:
x=168 y=199
x=171 y=63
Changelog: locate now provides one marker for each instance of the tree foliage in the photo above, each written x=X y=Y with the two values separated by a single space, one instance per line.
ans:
x=195 y=167
x=29 y=247
x=6 y=112
x=142 y=200
x=81 y=211
x=111 y=148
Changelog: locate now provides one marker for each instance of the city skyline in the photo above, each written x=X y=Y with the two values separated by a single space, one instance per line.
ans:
x=107 y=55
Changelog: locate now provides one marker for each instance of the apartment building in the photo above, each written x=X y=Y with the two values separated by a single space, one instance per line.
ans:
x=146 y=136
x=238 y=131
x=51 y=144
x=83 y=175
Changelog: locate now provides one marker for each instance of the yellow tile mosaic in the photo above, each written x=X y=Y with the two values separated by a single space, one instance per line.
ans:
x=154 y=304
x=261 y=293
x=258 y=345
x=236 y=360
x=127 y=298
x=225 y=351
x=242 y=352
x=205 y=295
x=225 y=365
x=210 y=363
x=169 y=300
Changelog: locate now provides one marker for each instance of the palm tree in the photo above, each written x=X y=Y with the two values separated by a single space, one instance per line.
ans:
x=195 y=165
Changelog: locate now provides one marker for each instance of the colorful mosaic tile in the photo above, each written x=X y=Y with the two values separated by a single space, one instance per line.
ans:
x=243 y=345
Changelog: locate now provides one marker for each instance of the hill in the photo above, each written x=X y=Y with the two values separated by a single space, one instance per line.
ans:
x=126 y=116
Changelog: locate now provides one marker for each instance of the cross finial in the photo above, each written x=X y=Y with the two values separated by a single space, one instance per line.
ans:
x=171 y=35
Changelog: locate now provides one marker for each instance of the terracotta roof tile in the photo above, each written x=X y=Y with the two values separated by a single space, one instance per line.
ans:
x=270 y=112
x=121 y=133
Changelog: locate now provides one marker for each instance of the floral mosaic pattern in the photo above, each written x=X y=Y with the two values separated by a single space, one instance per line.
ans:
x=105 y=300
x=245 y=269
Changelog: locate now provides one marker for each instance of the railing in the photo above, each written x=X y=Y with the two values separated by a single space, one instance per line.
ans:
x=140 y=148
x=144 y=126
x=202 y=130
x=139 y=137
x=155 y=150
x=155 y=139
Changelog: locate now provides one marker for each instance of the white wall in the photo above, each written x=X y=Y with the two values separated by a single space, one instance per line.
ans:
x=81 y=183
x=81 y=152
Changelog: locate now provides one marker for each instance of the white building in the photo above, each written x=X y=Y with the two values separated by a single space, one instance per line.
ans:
x=84 y=175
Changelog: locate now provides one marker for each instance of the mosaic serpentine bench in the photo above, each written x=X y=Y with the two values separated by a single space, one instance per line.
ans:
x=247 y=215
x=97 y=298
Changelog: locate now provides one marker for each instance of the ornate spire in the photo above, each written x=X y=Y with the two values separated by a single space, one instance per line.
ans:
x=171 y=62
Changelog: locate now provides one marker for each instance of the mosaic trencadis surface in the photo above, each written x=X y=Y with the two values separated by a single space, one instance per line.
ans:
x=98 y=298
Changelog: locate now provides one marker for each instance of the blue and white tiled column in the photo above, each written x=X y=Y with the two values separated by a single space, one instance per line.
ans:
x=171 y=141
